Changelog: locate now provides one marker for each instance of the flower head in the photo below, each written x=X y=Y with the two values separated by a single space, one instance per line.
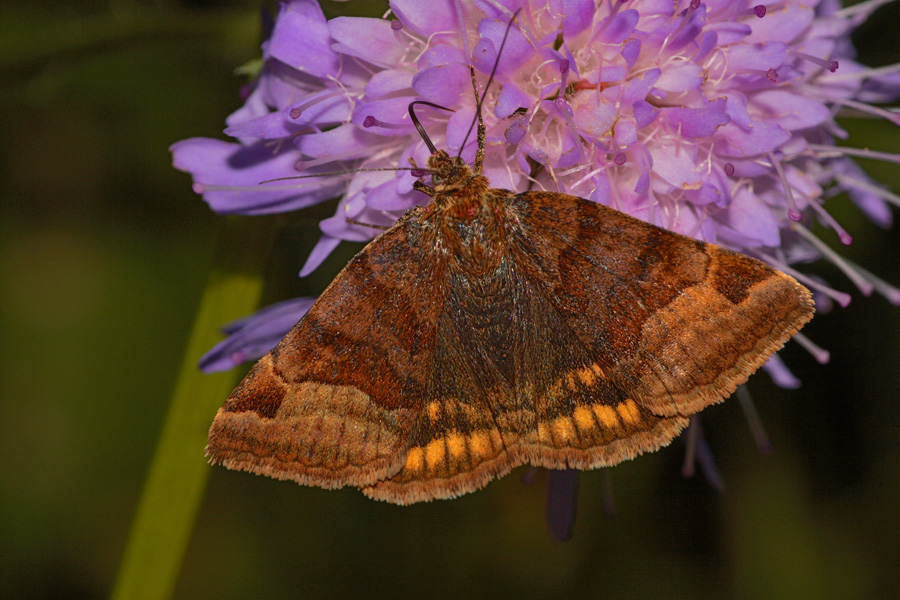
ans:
x=713 y=119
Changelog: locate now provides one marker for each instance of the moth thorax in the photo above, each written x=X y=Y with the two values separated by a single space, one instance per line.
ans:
x=463 y=198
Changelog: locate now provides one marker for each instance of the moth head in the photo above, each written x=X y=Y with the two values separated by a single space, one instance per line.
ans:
x=448 y=172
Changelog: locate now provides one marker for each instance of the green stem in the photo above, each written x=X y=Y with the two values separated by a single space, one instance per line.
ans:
x=175 y=484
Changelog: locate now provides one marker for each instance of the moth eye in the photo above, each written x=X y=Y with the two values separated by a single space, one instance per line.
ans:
x=436 y=179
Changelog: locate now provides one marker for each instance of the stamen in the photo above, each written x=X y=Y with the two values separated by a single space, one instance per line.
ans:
x=463 y=33
x=881 y=286
x=865 y=186
x=877 y=111
x=793 y=213
x=297 y=111
x=864 y=8
x=846 y=238
x=371 y=121
x=562 y=496
x=759 y=10
x=770 y=74
x=396 y=25
x=849 y=151
x=753 y=420
x=703 y=455
x=858 y=280
x=708 y=465
x=729 y=169
x=690 y=454
x=841 y=298
x=780 y=374
x=821 y=355
x=587 y=178
x=867 y=73
x=831 y=65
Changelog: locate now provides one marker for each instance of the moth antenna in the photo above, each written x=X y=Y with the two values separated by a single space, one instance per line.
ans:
x=480 y=101
x=479 y=154
x=355 y=222
x=419 y=128
x=344 y=172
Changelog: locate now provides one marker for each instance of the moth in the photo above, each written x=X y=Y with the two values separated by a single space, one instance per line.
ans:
x=489 y=330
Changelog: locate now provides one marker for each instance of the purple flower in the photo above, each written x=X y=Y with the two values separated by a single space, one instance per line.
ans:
x=714 y=119
x=253 y=336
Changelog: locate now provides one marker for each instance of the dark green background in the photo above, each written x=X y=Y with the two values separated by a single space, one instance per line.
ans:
x=104 y=252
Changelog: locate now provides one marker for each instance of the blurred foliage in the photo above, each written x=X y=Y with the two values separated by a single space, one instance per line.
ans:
x=104 y=254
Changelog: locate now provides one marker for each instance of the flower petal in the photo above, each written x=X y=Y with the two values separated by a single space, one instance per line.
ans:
x=681 y=78
x=347 y=142
x=425 y=18
x=301 y=39
x=694 y=122
x=783 y=24
x=792 y=111
x=578 y=16
x=387 y=82
x=253 y=336
x=748 y=223
x=283 y=123
x=516 y=52
x=443 y=84
x=215 y=164
x=760 y=139
x=320 y=252
x=510 y=99
x=372 y=40
x=619 y=27
x=385 y=197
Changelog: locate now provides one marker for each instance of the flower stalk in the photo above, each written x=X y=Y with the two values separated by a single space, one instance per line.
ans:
x=178 y=473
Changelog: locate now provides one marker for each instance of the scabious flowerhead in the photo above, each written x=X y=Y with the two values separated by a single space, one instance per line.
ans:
x=714 y=119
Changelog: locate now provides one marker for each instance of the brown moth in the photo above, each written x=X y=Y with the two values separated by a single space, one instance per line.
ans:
x=491 y=329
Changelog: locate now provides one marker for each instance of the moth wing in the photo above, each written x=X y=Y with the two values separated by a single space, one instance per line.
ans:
x=334 y=403
x=675 y=323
